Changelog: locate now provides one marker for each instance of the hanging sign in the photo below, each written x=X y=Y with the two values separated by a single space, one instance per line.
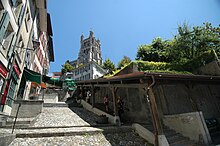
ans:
x=3 y=70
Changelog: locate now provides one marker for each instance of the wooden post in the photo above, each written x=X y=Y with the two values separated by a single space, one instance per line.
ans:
x=114 y=90
x=93 y=96
x=114 y=94
x=154 y=111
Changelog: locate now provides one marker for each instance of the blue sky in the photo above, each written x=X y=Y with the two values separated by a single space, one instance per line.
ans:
x=122 y=25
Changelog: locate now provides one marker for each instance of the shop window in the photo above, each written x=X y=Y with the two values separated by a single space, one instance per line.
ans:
x=11 y=91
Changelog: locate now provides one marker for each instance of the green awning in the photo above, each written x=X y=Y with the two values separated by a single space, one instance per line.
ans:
x=72 y=89
x=32 y=76
x=55 y=79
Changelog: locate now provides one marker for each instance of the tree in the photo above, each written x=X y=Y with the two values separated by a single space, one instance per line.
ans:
x=190 y=43
x=108 y=65
x=67 y=68
x=156 y=51
x=125 y=61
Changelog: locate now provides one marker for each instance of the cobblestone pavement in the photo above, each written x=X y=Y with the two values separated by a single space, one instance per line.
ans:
x=52 y=119
x=52 y=116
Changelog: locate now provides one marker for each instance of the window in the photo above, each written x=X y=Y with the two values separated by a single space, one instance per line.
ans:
x=19 y=50
x=7 y=38
x=1 y=10
x=17 y=7
x=33 y=8
x=27 y=20
x=12 y=89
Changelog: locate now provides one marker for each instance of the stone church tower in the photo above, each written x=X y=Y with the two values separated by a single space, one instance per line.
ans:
x=90 y=50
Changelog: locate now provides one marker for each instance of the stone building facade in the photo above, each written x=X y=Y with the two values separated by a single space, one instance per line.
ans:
x=90 y=50
x=89 y=61
x=25 y=43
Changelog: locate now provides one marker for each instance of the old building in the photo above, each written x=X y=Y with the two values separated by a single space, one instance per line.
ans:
x=25 y=45
x=89 y=61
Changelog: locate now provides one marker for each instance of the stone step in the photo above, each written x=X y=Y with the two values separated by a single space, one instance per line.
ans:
x=177 y=139
x=71 y=131
x=17 y=126
x=149 y=127
x=18 y=122
x=184 y=143
x=31 y=127
x=58 y=104
x=6 y=138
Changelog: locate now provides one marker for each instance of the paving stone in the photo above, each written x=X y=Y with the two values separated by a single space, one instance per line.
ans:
x=58 y=117
x=62 y=126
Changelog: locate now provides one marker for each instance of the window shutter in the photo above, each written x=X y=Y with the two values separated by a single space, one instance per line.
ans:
x=21 y=15
x=3 y=25
x=11 y=49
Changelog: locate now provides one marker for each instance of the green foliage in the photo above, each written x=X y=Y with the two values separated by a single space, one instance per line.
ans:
x=190 y=43
x=146 y=65
x=125 y=61
x=108 y=65
x=169 y=71
x=188 y=50
x=63 y=70
x=156 y=51
x=112 y=73
x=159 y=67
x=203 y=59
x=67 y=68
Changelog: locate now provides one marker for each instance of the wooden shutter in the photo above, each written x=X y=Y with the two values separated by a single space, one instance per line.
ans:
x=4 y=25
x=11 y=48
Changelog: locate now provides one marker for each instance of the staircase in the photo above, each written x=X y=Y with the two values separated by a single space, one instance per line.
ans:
x=174 y=138
x=20 y=123
x=57 y=104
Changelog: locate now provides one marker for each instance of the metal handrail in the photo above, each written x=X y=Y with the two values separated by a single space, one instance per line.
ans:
x=19 y=105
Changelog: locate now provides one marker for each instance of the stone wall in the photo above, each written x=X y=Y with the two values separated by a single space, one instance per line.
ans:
x=28 y=108
x=181 y=98
x=135 y=103
x=61 y=93
x=191 y=125
x=212 y=68
x=49 y=98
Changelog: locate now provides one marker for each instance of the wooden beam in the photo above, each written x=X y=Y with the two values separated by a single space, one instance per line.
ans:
x=114 y=94
x=93 y=95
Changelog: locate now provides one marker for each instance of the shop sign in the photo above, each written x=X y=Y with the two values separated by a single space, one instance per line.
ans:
x=3 y=71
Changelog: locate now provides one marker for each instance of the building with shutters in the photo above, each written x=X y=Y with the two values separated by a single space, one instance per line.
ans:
x=25 y=44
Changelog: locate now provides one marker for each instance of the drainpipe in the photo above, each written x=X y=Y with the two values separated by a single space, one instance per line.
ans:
x=154 y=111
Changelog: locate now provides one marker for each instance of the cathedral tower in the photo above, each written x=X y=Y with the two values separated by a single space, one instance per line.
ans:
x=90 y=50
